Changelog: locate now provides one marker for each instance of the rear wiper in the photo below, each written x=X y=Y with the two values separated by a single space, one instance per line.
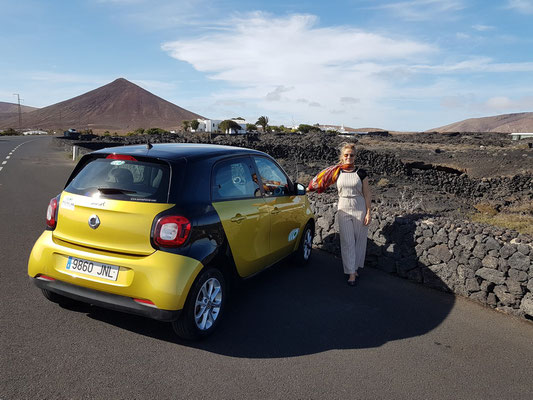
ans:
x=107 y=190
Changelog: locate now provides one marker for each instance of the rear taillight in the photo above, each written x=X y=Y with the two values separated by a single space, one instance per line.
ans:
x=172 y=231
x=51 y=213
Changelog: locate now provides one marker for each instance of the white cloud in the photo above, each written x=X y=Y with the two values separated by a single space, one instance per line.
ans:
x=290 y=63
x=522 y=6
x=479 y=64
x=423 y=10
x=504 y=103
x=349 y=100
x=275 y=95
x=488 y=105
x=462 y=36
x=482 y=28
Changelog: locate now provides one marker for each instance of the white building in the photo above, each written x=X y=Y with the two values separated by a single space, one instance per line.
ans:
x=211 y=125
x=35 y=132
x=518 y=136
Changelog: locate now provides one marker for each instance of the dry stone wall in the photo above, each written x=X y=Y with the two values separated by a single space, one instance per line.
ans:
x=488 y=265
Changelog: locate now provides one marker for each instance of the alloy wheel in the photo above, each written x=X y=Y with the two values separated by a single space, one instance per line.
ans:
x=208 y=303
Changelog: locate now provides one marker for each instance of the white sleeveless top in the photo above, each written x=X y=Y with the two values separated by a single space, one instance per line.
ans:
x=349 y=185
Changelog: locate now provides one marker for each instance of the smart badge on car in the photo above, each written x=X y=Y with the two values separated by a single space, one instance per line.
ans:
x=94 y=221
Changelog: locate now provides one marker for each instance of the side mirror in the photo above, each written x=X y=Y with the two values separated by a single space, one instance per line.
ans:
x=300 y=189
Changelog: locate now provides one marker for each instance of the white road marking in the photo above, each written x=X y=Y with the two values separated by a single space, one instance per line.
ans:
x=12 y=151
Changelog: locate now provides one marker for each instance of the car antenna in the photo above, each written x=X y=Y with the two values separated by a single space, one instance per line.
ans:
x=149 y=145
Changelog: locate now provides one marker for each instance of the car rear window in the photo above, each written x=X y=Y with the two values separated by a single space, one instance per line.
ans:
x=122 y=180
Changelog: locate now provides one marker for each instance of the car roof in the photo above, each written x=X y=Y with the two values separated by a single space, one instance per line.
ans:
x=175 y=151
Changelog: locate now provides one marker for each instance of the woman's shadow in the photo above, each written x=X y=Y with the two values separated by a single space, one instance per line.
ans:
x=292 y=311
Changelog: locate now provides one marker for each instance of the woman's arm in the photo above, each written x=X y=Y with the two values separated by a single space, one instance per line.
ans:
x=368 y=201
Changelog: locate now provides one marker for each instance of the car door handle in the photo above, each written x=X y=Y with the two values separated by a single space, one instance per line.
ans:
x=275 y=211
x=238 y=218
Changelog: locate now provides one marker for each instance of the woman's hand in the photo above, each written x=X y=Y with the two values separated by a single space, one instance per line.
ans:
x=367 y=219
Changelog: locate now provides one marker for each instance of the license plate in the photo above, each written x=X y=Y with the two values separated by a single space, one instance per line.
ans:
x=93 y=268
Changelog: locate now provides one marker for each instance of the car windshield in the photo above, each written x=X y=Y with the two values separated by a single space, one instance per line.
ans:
x=122 y=180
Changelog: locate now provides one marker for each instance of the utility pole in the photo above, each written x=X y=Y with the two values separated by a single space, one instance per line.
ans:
x=20 y=112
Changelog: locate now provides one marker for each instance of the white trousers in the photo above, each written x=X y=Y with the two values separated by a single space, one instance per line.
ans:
x=353 y=233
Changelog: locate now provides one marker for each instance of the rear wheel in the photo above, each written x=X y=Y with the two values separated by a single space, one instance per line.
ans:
x=305 y=247
x=204 y=306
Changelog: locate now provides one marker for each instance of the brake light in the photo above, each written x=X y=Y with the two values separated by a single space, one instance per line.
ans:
x=121 y=157
x=172 y=231
x=51 y=213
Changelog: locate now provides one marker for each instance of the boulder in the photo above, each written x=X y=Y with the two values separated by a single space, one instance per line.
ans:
x=527 y=304
x=491 y=275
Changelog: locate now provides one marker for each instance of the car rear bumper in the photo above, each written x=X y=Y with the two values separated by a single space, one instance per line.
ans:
x=105 y=300
x=161 y=278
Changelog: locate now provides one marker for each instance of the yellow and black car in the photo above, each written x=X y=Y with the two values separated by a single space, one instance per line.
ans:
x=161 y=230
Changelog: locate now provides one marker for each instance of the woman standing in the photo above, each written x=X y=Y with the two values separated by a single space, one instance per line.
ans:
x=354 y=208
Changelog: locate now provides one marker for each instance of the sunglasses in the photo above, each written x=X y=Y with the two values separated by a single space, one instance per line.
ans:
x=349 y=155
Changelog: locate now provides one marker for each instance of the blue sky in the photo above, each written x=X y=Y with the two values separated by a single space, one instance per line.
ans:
x=407 y=65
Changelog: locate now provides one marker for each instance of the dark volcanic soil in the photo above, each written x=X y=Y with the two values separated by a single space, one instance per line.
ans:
x=479 y=155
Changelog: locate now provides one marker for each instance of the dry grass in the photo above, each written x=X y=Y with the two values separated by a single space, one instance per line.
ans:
x=518 y=217
x=383 y=182
x=517 y=222
x=486 y=209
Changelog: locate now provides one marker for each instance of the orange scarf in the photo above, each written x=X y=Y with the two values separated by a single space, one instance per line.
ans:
x=326 y=177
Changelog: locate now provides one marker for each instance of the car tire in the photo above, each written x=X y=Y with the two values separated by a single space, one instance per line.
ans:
x=305 y=247
x=204 y=306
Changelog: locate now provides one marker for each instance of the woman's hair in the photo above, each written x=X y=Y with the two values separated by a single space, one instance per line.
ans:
x=346 y=146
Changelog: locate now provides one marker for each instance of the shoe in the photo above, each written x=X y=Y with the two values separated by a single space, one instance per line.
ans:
x=351 y=283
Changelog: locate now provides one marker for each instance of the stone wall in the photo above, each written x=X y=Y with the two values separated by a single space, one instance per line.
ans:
x=489 y=265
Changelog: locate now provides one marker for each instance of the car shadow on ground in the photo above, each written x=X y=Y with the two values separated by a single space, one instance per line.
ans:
x=291 y=311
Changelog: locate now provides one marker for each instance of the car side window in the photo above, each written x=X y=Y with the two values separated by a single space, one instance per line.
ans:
x=232 y=179
x=275 y=183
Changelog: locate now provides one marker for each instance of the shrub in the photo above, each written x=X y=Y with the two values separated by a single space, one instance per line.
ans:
x=155 y=131
x=409 y=201
x=9 y=132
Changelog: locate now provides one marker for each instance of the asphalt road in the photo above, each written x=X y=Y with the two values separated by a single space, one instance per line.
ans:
x=290 y=333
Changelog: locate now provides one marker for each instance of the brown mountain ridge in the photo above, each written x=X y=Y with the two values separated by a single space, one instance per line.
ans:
x=119 y=106
x=505 y=123
x=11 y=110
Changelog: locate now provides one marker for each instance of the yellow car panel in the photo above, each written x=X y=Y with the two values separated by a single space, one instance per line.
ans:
x=287 y=222
x=161 y=277
x=125 y=225
x=247 y=227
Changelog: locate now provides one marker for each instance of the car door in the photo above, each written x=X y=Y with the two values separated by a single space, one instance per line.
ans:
x=284 y=206
x=244 y=214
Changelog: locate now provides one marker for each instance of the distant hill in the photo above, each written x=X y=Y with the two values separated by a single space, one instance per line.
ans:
x=7 y=108
x=119 y=106
x=11 y=110
x=505 y=123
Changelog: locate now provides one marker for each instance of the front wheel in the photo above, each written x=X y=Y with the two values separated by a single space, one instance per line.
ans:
x=305 y=246
x=204 y=306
